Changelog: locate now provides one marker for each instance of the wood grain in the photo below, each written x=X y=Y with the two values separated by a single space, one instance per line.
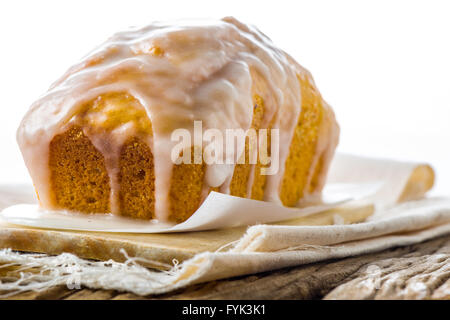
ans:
x=419 y=271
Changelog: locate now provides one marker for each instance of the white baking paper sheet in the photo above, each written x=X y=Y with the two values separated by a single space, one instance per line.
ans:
x=217 y=211
x=351 y=177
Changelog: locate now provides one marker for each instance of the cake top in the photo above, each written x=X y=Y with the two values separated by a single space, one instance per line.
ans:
x=179 y=72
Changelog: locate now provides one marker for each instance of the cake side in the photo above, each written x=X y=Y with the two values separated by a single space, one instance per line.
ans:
x=86 y=187
x=122 y=104
x=313 y=145
x=79 y=179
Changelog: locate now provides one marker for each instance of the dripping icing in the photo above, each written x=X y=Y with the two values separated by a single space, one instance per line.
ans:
x=179 y=72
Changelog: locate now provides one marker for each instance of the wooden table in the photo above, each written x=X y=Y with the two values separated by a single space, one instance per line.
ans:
x=420 y=271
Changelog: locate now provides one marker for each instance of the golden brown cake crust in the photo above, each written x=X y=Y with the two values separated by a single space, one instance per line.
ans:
x=100 y=140
x=313 y=142
x=186 y=189
x=137 y=180
x=79 y=180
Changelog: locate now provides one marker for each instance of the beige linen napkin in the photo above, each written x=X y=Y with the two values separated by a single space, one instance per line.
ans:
x=269 y=247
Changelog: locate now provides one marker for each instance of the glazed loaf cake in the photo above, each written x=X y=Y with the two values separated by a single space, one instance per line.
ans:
x=99 y=141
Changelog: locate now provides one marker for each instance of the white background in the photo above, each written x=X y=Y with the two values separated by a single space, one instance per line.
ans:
x=383 y=65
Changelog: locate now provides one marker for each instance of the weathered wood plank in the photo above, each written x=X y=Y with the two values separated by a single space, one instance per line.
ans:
x=396 y=272
x=54 y=293
x=88 y=294
x=308 y=282
x=416 y=275
x=443 y=292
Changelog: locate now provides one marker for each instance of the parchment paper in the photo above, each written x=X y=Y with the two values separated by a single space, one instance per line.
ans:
x=350 y=178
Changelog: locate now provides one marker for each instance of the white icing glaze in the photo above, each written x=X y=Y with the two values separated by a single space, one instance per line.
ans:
x=203 y=73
